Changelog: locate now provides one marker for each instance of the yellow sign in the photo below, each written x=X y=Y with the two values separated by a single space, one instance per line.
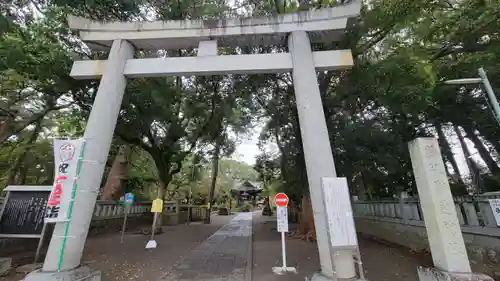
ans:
x=157 y=206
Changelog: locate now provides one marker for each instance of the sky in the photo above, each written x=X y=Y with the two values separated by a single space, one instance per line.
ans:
x=248 y=149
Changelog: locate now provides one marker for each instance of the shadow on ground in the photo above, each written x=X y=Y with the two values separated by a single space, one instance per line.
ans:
x=381 y=262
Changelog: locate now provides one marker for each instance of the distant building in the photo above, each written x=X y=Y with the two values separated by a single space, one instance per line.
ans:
x=246 y=190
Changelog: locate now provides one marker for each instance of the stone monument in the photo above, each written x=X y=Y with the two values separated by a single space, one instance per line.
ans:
x=443 y=229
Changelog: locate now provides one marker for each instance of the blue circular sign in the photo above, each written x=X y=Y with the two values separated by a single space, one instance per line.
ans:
x=129 y=199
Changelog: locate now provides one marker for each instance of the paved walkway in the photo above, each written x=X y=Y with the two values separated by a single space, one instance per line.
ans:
x=223 y=256
x=243 y=247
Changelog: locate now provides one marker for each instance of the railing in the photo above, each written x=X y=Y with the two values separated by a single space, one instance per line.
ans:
x=474 y=215
x=179 y=213
x=175 y=212
x=112 y=209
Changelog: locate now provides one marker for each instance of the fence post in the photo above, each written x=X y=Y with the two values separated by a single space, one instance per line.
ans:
x=177 y=211
x=404 y=214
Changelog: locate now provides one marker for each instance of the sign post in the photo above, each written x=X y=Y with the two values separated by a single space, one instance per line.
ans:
x=128 y=201
x=281 y=202
x=157 y=207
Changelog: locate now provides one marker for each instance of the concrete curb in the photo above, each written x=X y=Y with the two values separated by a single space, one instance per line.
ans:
x=249 y=265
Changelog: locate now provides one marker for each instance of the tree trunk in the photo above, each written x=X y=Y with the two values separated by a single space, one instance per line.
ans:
x=306 y=221
x=113 y=189
x=490 y=135
x=473 y=171
x=215 y=171
x=445 y=146
x=361 y=188
x=4 y=126
x=283 y=160
x=483 y=152
x=368 y=186
x=461 y=139
x=162 y=191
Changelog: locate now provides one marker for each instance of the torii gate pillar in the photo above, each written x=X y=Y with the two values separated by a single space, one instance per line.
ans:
x=298 y=30
x=317 y=151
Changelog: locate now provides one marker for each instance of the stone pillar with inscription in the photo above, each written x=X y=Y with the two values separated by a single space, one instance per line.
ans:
x=443 y=229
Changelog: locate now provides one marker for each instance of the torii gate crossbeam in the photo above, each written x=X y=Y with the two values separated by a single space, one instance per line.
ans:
x=298 y=31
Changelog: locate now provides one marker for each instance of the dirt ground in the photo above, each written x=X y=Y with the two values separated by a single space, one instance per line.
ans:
x=131 y=261
x=381 y=262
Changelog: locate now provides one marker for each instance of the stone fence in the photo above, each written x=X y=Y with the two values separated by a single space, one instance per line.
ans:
x=108 y=218
x=401 y=222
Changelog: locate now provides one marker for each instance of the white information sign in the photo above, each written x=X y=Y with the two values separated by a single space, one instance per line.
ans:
x=495 y=208
x=66 y=155
x=339 y=215
x=282 y=219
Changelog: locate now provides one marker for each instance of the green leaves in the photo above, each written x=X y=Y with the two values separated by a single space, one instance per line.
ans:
x=403 y=50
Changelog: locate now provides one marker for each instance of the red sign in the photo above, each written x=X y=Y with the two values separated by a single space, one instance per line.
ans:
x=281 y=200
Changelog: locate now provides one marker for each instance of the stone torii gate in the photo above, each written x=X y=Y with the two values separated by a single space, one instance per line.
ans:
x=297 y=30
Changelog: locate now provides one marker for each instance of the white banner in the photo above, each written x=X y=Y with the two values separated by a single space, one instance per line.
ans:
x=66 y=157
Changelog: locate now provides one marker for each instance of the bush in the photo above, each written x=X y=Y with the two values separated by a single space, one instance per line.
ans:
x=245 y=208
x=491 y=183
x=223 y=211
x=267 y=211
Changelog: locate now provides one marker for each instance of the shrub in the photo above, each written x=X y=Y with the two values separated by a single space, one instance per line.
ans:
x=267 y=211
x=223 y=211
x=245 y=208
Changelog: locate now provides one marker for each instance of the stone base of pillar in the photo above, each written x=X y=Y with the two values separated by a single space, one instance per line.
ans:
x=434 y=274
x=81 y=273
x=320 y=277
x=5 y=265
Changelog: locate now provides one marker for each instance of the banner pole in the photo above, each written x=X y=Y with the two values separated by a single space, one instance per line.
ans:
x=40 y=243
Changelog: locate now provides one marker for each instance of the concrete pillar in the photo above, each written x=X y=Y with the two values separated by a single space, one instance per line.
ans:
x=317 y=152
x=402 y=206
x=178 y=211
x=443 y=230
x=98 y=134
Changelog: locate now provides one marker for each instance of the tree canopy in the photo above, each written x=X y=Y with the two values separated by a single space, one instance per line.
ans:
x=171 y=131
